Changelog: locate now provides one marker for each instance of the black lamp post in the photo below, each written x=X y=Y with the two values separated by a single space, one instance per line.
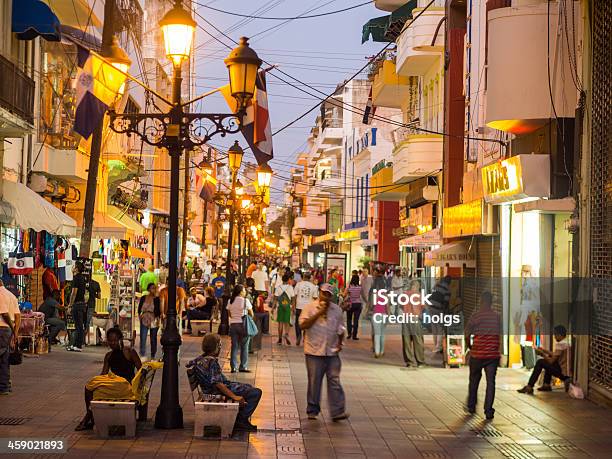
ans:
x=176 y=131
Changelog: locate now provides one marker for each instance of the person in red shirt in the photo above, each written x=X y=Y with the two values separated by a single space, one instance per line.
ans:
x=49 y=283
x=485 y=327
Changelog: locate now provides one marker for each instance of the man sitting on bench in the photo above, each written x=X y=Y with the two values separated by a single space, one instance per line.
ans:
x=200 y=308
x=212 y=381
x=119 y=369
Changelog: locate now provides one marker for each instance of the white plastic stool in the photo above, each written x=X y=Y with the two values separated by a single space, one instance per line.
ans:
x=114 y=418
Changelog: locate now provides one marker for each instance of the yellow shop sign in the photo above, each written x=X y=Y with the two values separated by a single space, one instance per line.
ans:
x=516 y=178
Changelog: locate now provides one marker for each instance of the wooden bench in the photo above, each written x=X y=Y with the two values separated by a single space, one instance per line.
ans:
x=198 y=326
x=212 y=412
x=117 y=418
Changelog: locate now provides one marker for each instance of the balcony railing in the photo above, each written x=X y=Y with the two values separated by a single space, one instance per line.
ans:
x=16 y=90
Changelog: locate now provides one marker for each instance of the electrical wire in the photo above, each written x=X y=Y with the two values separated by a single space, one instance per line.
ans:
x=284 y=18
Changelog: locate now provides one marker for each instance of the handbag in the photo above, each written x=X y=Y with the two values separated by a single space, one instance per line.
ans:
x=250 y=326
x=15 y=357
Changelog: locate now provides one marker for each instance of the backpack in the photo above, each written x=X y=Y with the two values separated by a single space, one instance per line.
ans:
x=284 y=300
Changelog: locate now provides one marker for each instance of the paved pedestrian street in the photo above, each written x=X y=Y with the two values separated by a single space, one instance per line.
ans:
x=395 y=412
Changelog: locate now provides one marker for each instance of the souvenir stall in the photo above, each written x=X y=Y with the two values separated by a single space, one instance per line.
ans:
x=36 y=256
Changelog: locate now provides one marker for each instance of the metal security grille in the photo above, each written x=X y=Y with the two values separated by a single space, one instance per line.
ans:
x=600 y=362
x=488 y=267
x=469 y=295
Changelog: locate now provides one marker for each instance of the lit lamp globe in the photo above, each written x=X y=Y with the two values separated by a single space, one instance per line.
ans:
x=120 y=60
x=178 y=28
x=206 y=166
x=239 y=188
x=234 y=156
x=264 y=176
x=242 y=65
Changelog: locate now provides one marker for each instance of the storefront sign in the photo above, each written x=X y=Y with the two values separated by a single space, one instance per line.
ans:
x=516 y=178
x=325 y=238
x=425 y=240
x=350 y=235
x=452 y=255
x=463 y=219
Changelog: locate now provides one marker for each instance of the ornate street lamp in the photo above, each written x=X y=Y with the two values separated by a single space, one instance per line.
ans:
x=242 y=65
x=264 y=176
x=176 y=131
x=234 y=157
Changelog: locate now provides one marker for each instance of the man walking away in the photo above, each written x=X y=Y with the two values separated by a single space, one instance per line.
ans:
x=439 y=299
x=323 y=324
x=10 y=319
x=553 y=364
x=485 y=327
x=260 y=277
x=146 y=278
x=78 y=300
x=305 y=293
x=412 y=330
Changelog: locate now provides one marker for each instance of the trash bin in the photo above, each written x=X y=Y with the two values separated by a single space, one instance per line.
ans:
x=256 y=340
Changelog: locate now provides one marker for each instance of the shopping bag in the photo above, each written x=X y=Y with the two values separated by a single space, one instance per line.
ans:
x=15 y=357
x=575 y=391
x=20 y=263
x=250 y=326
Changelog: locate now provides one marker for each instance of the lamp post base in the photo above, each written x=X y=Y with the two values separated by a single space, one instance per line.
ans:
x=169 y=417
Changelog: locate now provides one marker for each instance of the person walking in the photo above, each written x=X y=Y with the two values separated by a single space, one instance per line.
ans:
x=79 y=297
x=148 y=277
x=238 y=307
x=10 y=319
x=323 y=325
x=260 y=278
x=149 y=312
x=397 y=286
x=380 y=311
x=485 y=327
x=284 y=297
x=413 y=348
x=353 y=292
x=305 y=293
x=439 y=299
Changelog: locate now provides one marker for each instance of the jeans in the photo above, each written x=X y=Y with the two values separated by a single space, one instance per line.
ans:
x=550 y=370
x=55 y=326
x=5 y=349
x=265 y=321
x=412 y=344
x=490 y=368
x=251 y=395
x=79 y=315
x=298 y=330
x=240 y=344
x=352 y=319
x=317 y=367
x=378 y=335
x=143 y=340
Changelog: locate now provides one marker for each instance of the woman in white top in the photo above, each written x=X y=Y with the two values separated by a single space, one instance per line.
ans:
x=238 y=307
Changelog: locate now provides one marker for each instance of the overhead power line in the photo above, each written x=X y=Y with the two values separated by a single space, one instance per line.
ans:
x=291 y=18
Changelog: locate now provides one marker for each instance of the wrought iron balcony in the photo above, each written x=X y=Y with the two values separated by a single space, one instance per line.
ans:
x=16 y=90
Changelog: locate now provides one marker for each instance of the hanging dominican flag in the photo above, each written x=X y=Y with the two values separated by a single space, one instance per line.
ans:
x=97 y=86
x=256 y=127
x=370 y=109
x=206 y=185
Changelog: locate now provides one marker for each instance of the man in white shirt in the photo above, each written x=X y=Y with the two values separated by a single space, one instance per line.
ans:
x=10 y=318
x=207 y=271
x=323 y=325
x=260 y=277
x=305 y=292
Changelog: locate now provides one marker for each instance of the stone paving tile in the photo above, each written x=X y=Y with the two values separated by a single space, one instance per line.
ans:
x=395 y=413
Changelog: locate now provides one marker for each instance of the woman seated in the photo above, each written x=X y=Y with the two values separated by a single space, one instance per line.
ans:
x=213 y=381
x=119 y=369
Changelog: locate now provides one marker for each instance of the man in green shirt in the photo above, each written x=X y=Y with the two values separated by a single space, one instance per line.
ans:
x=147 y=278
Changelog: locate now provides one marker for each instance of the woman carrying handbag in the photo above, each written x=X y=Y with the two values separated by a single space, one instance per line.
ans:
x=240 y=312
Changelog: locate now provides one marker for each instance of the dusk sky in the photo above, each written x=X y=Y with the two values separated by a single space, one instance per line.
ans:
x=320 y=51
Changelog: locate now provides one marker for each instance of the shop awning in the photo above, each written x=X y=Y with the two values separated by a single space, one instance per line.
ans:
x=452 y=255
x=387 y=28
x=547 y=206
x=427 y=239
x=135 y=252
x=31 y=211
x=121 y=217
x=33 y=18
x=86 y=40
x=75 y=13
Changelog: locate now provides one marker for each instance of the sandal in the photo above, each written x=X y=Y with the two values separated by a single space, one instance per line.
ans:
x=287 y=340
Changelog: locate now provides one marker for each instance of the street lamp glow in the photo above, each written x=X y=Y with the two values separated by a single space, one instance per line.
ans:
x=239 y=188
x=242 y=65
x=234 y=156
x=206 y=166
x=246 y=202
x=178 y=28
x=264 y=176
